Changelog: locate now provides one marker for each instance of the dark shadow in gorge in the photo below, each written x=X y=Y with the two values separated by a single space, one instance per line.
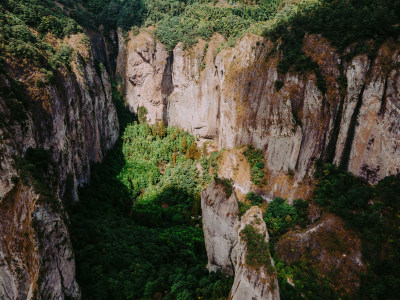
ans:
x=141 y=251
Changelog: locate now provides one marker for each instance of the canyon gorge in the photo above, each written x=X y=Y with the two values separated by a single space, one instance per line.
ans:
x=229 y=102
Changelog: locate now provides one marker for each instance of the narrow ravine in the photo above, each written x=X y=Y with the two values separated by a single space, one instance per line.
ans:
x=136 y=231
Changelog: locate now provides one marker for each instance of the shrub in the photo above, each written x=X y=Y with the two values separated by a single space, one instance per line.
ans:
x=280 y=216
x=243 y=207
x=254 y=198
x=257 y=248
x=227 y=185
x=142 y=114
x=278 y=85
x=256 y=161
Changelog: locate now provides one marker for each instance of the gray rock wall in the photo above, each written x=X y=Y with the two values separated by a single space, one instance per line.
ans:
x=231 y=96
x=75 y=120
x=227 y=249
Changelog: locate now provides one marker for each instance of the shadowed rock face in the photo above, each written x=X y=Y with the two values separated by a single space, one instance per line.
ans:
x=331 y=248
x=226 y=248
x=231 y=96
x=75 y=120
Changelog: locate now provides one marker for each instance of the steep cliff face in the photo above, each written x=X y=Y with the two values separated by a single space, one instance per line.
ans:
x=75 y=121
x=232 y=97
x=227 y=247
x=220 y=221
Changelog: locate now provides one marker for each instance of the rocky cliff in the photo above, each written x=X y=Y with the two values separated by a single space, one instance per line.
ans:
x=228 y=246
x=58 y=127
x=232 y=96
x=335 y=250
x=220 y=222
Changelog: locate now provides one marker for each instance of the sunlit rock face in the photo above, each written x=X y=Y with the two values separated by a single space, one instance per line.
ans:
x=220 y=220
x=231 y=96
x=227 y=249
x=75 y=121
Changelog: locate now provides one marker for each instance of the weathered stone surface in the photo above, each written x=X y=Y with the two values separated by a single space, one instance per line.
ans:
x=36 y=254
x=231 y=96
x=232 y=164
x=146 y=62
x=220 y=220
x=226 y=249
x=250 y=282
x=75 y=120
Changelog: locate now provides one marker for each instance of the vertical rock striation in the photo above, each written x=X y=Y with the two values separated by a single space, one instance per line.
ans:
x=220 y=220
x=231 y=96
x=227 y=248
x=75 y=122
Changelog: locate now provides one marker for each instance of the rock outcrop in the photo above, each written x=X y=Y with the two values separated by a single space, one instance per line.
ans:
x=145 y=83
x=253 y=282
x=220 y=221
x=231 y=96
x=73 y=120
x=227 y=248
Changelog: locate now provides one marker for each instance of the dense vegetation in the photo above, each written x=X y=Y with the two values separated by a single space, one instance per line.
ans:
x=16 y=38
x=136 y=231
x=370 y=210
x=203 y=20
x=257 y=249
x=256 y=161
x=280 y=217
x=374 y=212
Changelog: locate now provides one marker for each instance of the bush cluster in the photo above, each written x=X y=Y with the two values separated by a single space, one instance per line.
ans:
x=280 y=216
x=257 y=248
x=256 y=161
x=373 y=211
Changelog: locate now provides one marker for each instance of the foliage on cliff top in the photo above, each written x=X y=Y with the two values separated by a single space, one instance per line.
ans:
x=203 y=20
x=343 y=23
x=24 y=25
x=256 y=161
x=227 y=184
x=257 y=248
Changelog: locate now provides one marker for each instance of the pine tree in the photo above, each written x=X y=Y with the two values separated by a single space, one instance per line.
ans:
x=205 y=149
x=184 y=144
x=162 y=131
x=193 y=152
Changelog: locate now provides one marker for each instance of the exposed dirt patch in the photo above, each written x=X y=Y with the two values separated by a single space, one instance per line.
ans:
x=283 y=185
